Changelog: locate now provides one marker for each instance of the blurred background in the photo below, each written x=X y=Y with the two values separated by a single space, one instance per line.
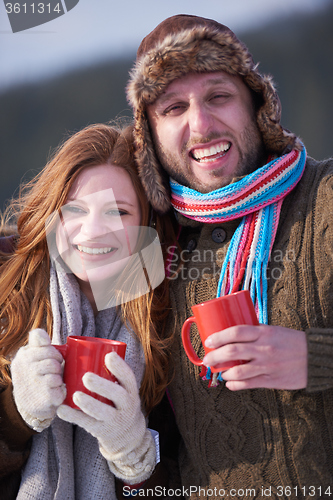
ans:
x=70 y=72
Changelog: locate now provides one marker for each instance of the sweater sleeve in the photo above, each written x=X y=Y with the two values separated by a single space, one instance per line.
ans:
x=14 y=435
x=320 y=333
x=320 y=359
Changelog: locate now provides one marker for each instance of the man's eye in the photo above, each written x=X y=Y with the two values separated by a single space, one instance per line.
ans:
x=220 y=97
x=174 y=109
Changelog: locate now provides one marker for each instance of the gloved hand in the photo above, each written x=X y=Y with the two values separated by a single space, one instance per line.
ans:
x=38 y=388
x=121 y=430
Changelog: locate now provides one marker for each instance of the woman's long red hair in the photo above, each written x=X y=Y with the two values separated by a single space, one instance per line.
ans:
x=24 y=275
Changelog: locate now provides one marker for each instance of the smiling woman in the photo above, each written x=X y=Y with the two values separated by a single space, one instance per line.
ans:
x=99 y=225
x=80 y=224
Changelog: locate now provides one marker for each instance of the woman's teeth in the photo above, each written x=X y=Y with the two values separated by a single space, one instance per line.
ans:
x=209 y=154
x=95 y=251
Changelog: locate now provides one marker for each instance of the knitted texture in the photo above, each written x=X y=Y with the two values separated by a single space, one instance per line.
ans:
x=257 y=198
x=181 y=45
x=65 y=460
x=262 y=438
x=119 y=428
x=38 y=388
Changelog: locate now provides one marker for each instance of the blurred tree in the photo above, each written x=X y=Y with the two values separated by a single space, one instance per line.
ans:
x=35 y=118
x=298 y=54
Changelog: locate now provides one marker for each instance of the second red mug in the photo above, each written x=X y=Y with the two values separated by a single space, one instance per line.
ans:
x=215 y=315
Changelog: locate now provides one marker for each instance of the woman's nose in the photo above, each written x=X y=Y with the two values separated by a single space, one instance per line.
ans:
x=95 y=225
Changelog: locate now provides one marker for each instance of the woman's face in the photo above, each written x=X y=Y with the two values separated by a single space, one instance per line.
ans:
x=99 y=223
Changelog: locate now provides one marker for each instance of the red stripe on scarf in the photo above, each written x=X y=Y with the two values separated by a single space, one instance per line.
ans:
x=246 y=253
x=185 y=204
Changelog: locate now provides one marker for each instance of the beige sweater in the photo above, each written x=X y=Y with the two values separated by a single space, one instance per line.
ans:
x=276 y=444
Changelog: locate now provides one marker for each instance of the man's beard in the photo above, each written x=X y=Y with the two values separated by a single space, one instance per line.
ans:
x=251 y=157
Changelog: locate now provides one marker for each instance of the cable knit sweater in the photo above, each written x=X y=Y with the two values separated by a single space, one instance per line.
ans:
x=256 y=443
x=60 y=469
x=262 y=443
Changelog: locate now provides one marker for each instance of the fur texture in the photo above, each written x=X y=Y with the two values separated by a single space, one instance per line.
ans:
x=186 y=44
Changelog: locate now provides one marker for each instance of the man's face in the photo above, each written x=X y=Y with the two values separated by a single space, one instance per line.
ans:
x=204 y=130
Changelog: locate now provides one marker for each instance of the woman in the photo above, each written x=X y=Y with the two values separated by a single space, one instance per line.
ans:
x=65 y=250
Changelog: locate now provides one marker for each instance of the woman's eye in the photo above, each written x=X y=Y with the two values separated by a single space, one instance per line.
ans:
x=117 y=211
x=72 y=209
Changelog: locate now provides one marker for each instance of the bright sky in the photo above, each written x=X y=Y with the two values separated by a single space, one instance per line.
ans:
x=98 y=29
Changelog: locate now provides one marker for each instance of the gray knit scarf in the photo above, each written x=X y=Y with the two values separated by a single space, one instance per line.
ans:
x=65 y=462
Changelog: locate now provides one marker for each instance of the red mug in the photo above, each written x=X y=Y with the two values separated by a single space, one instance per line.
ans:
x=87 y=354
x=216 y=315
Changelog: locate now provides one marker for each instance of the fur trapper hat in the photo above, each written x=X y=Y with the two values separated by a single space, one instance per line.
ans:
x=185 y=44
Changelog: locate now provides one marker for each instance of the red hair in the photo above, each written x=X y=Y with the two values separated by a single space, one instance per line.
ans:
x=24 y=295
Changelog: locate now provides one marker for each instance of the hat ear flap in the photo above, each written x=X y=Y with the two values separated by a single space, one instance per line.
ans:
x=153 y=177
x=276 y=138
x=182 y=45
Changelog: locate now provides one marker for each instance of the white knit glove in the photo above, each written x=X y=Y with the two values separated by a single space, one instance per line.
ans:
x=38 y=388
x=121 y=430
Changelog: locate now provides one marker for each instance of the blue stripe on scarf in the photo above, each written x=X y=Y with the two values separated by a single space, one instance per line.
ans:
x=284 y=184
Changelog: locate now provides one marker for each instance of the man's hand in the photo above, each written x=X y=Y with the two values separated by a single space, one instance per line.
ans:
x=276 y=357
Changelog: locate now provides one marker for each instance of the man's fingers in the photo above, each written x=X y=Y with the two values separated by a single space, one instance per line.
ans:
x=243 y=371
x=230 y=352
x=239 y=333
x=240 y=385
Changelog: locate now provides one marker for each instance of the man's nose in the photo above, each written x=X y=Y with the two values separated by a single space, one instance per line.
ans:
x=199 y=120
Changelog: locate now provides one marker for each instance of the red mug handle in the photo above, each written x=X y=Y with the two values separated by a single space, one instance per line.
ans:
x=192 y=355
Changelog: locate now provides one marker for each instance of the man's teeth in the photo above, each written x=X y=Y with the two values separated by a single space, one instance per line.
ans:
x=200 y=154
x=95 y=251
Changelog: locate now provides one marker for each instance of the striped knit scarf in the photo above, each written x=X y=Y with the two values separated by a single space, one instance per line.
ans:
x=257 y=198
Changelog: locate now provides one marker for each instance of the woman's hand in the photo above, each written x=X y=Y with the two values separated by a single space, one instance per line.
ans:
x=120 y=428
x=38 y=388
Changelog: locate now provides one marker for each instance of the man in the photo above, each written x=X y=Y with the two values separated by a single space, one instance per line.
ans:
x=254 y=213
